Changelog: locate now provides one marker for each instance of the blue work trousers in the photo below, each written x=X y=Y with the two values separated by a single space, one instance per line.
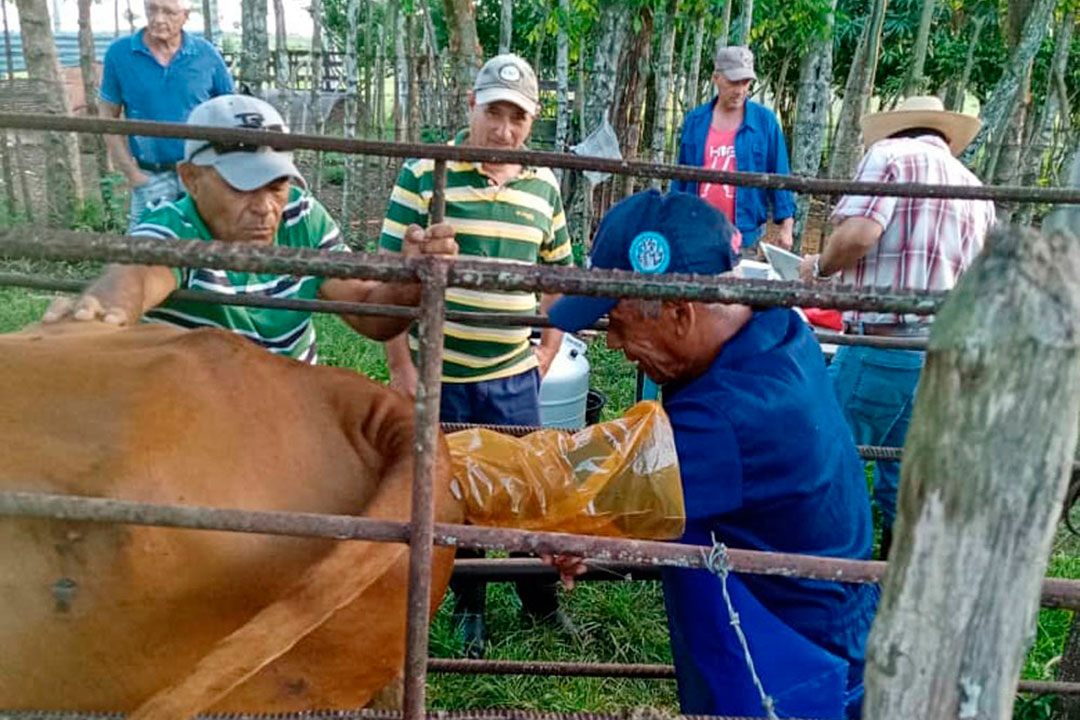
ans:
x=876 y=391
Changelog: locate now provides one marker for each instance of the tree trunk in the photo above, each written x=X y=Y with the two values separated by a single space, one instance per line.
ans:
x=90 y=85
x=465 y=55
x=725 y=26
x=316 y=82
x=281 y=47
x=539 y=56
x=24 y=183
x=506 y=26
x=998 y=108
x=401 y=71
x=601 y=93
x=562 y=79
x=1031 y=160
x=255 y=50
x=662 y=116
x=412 y=65
x=62 y=183
x=857 y=92
x=629 y=117
x=955 y=102
x=747 y=24
x=811 y=116
x=916 y=81
x=693 y=83
x=437 y=114
x=976 y=519
x=352 y=34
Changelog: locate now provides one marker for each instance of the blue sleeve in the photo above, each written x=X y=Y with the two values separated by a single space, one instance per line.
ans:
x=782 y=201
x=709 y=459
x=223 y=82
x=110 y=81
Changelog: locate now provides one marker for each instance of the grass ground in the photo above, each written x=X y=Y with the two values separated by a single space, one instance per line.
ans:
x=617 y=621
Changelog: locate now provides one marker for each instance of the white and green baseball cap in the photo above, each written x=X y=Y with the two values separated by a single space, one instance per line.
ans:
x=508 y=78
x=246 y=167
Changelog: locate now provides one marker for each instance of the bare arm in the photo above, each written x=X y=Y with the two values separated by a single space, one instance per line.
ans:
x=377 y=327
x=118 y=147
x=436 y=240
x=119 y=297
x=852 y=239
x=786 y=238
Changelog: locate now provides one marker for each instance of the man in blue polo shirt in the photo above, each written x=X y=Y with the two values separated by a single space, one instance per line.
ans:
x=159 y=73
x=766 y=464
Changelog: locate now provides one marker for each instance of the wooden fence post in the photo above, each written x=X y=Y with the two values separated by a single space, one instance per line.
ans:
x=985 y=468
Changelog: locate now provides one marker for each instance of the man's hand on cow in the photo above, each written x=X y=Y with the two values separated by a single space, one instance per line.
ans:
x=87 y=307
x=435 y=240
x=569 y=566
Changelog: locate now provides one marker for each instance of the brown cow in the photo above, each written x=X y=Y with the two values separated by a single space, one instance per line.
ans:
x=119 y=617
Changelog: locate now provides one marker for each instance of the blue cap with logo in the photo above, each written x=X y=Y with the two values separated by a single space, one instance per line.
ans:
x=651 y=232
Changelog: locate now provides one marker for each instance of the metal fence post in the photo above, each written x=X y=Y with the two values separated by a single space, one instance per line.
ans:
x=433 y=272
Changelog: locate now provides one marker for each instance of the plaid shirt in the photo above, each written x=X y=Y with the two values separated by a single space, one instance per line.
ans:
x=928 y=242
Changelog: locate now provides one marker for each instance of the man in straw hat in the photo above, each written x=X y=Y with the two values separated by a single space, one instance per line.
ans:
x=898 y=243
x=733 y=133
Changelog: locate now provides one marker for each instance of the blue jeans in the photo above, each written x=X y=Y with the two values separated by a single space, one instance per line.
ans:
x=514 y=400
x=160 y=186
x=876 y=391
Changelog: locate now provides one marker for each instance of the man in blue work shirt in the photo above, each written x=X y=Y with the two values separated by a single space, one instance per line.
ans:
x=767 y=464
x=733 y=133
x=159 y=73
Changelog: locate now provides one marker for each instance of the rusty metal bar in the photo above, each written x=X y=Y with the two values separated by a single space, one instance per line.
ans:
x=1055 y=592
x=438 y=193
x=512 y=569
x=642 y=671
x=478 y=714
x=67 y=245
x=291 y=141
x=422 y=526
x=41 y=282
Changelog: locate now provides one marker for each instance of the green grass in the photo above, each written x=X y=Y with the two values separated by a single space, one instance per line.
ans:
x=617 y=622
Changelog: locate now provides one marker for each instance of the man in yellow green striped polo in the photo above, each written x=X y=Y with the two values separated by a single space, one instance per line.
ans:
x=510 y=213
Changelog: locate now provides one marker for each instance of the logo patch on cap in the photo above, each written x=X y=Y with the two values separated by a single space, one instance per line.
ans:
x=510 y=73
x=650 y=252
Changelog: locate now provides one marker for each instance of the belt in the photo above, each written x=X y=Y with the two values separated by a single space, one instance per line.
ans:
x=916 y=330
x=156 y=167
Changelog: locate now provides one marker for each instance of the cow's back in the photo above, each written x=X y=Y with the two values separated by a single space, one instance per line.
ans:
x=96 y=616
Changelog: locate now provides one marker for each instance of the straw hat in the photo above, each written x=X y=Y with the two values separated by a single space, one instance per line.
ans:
x=922 y=111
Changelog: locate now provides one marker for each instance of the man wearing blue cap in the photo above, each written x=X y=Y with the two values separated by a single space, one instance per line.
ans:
x=766 y=465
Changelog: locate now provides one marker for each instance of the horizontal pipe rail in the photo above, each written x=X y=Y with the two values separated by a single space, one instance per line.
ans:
x=478 y=714
x=1056 y=592
x=641 y=671
x=42 y=282
x=513 y=569
x=294 y=141
x=475 y=274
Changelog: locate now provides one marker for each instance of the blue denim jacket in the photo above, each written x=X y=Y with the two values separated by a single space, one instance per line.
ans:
x=759 y=147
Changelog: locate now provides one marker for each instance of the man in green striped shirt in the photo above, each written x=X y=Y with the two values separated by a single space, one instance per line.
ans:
x=509 y=213
x=240 y=193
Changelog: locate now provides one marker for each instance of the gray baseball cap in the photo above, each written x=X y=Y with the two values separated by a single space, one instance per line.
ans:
x=245 y=167
x=508 y=77
x=736 y=62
